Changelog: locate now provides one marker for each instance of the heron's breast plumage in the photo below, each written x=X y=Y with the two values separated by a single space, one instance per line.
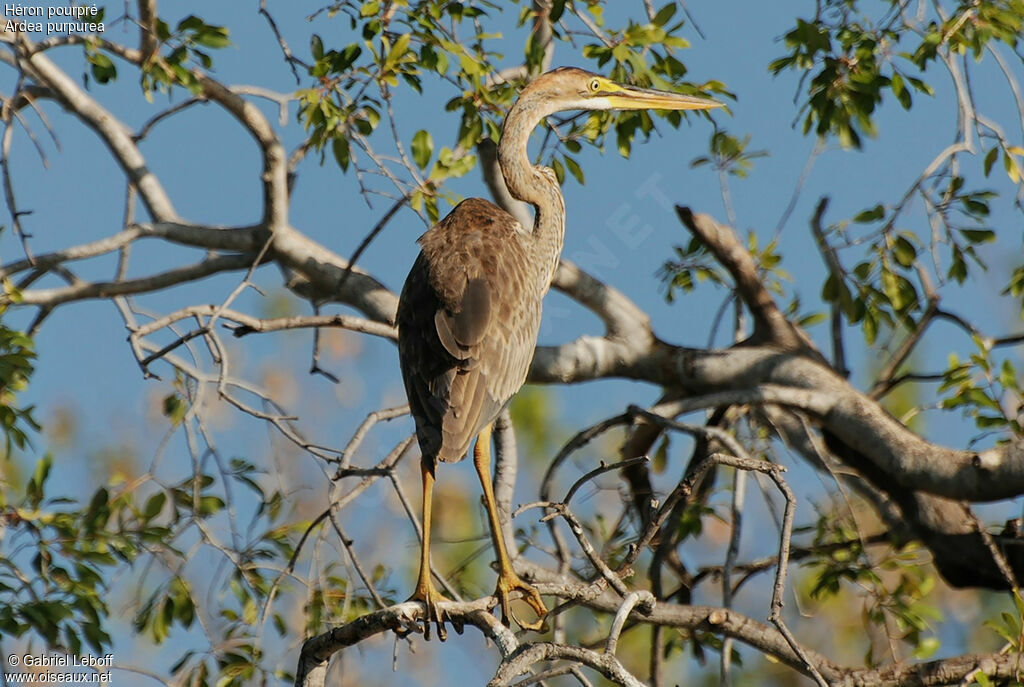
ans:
x=467 y=322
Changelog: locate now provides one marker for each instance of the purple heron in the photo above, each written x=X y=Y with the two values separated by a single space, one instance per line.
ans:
x=471 y=306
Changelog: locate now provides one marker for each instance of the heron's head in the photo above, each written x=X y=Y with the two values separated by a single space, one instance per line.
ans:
x=569 y=88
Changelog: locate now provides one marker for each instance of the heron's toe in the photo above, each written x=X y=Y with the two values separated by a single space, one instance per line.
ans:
x=528 y=594
x=432 y=612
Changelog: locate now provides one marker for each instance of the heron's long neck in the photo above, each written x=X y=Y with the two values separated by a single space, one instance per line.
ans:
x=534 y=185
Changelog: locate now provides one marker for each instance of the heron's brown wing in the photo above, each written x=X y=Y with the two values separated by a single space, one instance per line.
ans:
x=462 y=339
x=462 y=330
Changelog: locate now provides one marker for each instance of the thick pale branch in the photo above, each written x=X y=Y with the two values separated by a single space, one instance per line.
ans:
x=318 y=272
x=730 y=623
x=247 y=239
x=506 y=468
x=770 y=324
x=623 y=320
x=80 y=252
x=275 y=160
x=314 y=272
x=850 y=415
x=53 y=297
x=147 y=28
x=860 y=423
x=111 y=130
x=317 y=651
x=768 y=640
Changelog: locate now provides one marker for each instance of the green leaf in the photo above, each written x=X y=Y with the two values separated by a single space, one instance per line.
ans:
x=660 y=460
x=870 y=325
x=990 y=159
x=1010 y=165
x=900 y=91
x=958 y=267
x=830 y=289
x=574 y=169
x=920 y=86
x=422 y=148
x=812 y=319
x=871 y=215
x=154 y=504
x=559 y=169
x=555 y=13
x=190 y=23
x=904 y=252
x=979 y=235
x=208 y=505
x=103 y=70
x=98 y=513
x=989 y=421
x=174 y=408
x=399 y=49
x=341 y=152
x=927 y=647
x=43 y=466
x=213 y=37
x=664 y=15
x=340 y=61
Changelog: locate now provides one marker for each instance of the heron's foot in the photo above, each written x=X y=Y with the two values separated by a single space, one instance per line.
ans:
x=428 y=595
x=508 y=583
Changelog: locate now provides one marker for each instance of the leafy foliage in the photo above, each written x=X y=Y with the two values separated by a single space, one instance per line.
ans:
x=57 y=557
x=896 y=585
x=412 y=44
x=984 y=389
x=693 y=264
x=850 y=66
x=729 y=155
x=17 y=360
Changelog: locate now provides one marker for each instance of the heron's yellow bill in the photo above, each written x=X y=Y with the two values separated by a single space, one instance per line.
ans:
x=623 y=97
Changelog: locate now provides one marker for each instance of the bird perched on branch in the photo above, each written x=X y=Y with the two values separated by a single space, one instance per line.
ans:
x=471 y=306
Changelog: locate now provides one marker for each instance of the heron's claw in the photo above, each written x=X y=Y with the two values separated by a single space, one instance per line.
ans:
x=428 y=595
x=509 y=583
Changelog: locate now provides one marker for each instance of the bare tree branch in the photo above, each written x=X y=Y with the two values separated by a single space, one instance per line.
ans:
x=770 y=325
x=317 y=651
x=773 y=376
x=87 y=290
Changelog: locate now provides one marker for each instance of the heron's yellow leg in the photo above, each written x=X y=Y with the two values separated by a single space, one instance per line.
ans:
x=508 y=581
x=425 y=589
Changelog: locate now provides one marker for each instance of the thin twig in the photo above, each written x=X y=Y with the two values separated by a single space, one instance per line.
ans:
x=383 y=415
x=600 y=470
x=732 y=553
x=609 y=575
x=368 y=239
x=346 y=541
x=288 y=56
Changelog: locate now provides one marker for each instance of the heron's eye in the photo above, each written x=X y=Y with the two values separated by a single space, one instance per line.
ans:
x=595 y=85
